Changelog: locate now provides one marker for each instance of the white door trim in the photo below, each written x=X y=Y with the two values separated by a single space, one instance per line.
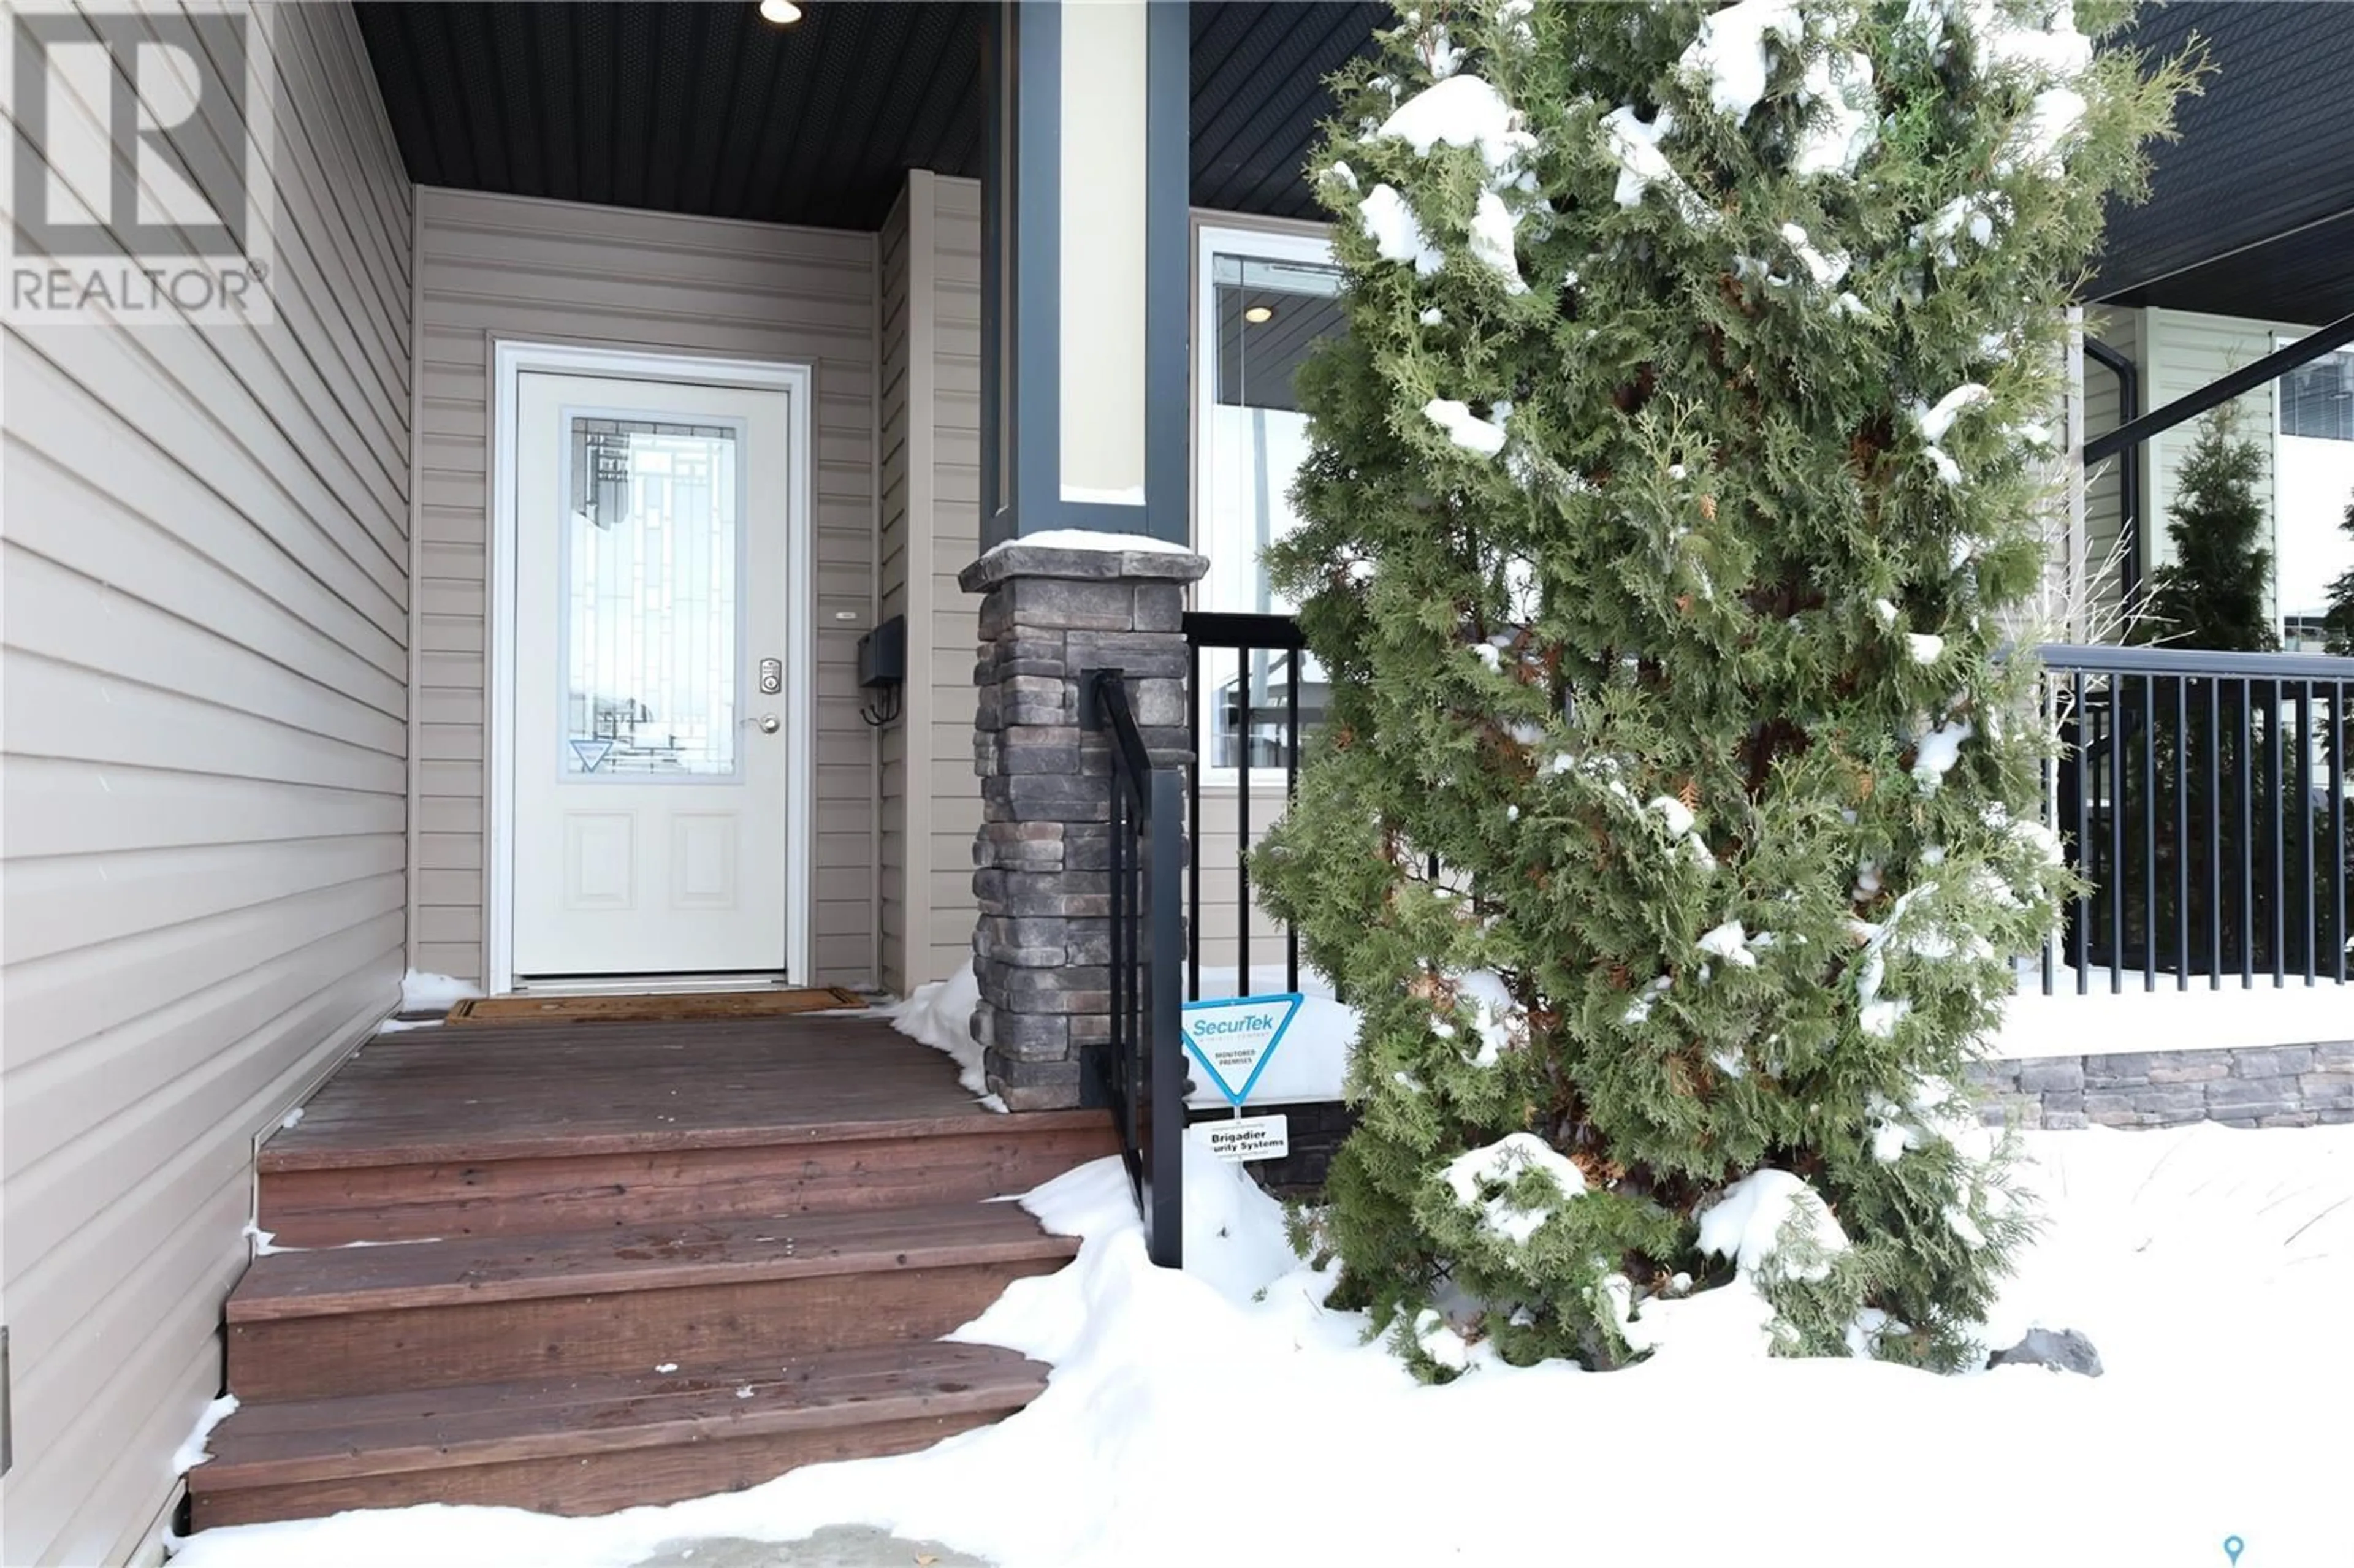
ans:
x=511 y=359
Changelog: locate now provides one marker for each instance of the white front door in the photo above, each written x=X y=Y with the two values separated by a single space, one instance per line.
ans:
x=653 y=752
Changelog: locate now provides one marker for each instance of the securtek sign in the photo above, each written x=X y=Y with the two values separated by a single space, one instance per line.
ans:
x=1232 y=1038
x=135 y=184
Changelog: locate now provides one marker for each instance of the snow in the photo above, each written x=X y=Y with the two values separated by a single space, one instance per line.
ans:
x=1731 y=943
x=1730 y=50
x=2005 y=42
x=1843 y=129
x=195 y=1449
x=402 y=1025
x=1937 y=752
x=1498 y=1019
x=1935 y=422
x=1926 y=647
x=1678 y=816
x=1491 y=241
x=1464 y=428
x=2211 y=1267
x=1879 y=1019
x=422 y=991
x=1089 y=539
x=1344 y=174
x=2196 y=1018
x=1500 y=1164
x=2040 y=140
x=1431 y=316
x=1635 y=144
x=1826 y=269
x=1745 y=1223
x=1974 y=215
x=1638 y=1011
x=1395 y=230
x=1462 y=111
x=939 y=1014
x=1948 y=470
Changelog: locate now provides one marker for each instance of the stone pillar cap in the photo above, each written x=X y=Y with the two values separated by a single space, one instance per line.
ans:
x=1085 y=556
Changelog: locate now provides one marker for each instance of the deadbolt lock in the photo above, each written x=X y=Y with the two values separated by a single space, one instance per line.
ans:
x=772 y=676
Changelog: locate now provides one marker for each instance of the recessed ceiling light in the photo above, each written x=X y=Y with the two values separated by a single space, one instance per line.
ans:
x=1257 y=315
x=783 y=13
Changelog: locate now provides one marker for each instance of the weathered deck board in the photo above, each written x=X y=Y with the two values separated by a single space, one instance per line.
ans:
x=492 y=1091
x=786 y=1212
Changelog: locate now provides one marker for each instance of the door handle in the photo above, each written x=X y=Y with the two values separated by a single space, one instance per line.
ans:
x=769 y=724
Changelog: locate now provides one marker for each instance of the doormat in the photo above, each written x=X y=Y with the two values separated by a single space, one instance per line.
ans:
x=653 y=1009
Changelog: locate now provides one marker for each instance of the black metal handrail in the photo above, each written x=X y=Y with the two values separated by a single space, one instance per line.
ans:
x=2202 y=800
x=1138 y=1074
x=1257 y=644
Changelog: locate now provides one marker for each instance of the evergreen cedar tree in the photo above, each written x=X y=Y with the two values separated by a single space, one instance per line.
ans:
x=2212 y=594
x=2337 y=619
x=1687 y=447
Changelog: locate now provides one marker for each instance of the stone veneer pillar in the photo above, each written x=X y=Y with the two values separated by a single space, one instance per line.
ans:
x=1042 y=946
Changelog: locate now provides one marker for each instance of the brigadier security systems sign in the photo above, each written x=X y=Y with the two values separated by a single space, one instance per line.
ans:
x=1232 y=1038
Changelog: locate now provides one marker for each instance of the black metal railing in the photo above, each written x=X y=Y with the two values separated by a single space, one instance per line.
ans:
x=1138 y=1074
x=1245 y=724
x=2203 y=800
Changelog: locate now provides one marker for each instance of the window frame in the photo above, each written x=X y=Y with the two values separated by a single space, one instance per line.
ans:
x=1216 y=234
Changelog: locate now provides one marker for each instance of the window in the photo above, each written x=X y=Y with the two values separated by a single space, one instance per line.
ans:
x=1265 y=302
x=2313 y=474
x=2317 y=399
x=650 y=614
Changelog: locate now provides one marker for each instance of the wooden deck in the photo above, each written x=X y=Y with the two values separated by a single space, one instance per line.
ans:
x=610 y=1238
x=610 y=1086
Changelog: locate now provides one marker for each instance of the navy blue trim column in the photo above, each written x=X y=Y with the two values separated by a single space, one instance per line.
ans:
x=1024 y=207
x=1051 y=617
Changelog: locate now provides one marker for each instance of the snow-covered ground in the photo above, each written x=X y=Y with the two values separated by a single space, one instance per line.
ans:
x=1225 y=1414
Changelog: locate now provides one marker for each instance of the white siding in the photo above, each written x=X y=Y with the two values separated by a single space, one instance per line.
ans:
x=500 y=267
x=207 y=609
x=931 y=477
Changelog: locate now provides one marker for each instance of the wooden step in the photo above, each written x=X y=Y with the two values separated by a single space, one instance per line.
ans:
x=315 y=1196
x=698 y=1294
x=588 y=1444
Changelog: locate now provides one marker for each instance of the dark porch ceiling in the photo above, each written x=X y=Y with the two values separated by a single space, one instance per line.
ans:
x=2252 y=211
x=705 y=108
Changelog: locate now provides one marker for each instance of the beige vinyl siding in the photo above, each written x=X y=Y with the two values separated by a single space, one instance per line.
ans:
x=496 y=267
x=2179 y=351
x=1219 y=867
x=932 y=483
x=204 y=766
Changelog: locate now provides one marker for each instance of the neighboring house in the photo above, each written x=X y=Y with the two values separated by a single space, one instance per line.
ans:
x=295 y=702
x=2241 y=251
x=2303 y=423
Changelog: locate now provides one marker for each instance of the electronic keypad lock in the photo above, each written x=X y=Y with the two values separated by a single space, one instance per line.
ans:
x=772 y=676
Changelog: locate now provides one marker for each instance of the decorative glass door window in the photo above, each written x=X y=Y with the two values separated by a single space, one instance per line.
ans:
x=1266 y=301
x=652 y=613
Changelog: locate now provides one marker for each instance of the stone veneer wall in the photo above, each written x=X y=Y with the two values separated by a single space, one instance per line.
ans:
x=2273 y=1085
x=1042 y=946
